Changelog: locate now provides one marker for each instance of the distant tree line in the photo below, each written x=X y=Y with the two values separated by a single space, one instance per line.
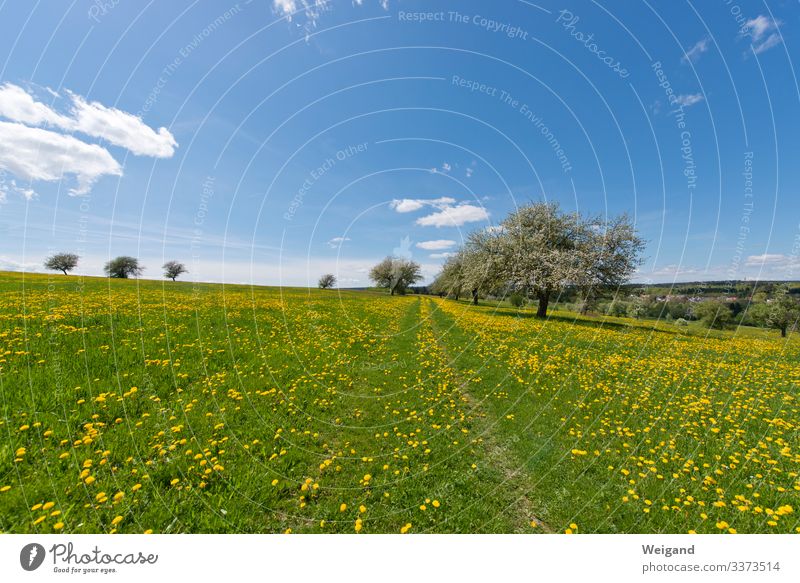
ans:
x=775 y=306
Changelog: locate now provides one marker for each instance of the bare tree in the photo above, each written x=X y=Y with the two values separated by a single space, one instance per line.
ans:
x=173 y=269
x=327 y=281
x=65 y=262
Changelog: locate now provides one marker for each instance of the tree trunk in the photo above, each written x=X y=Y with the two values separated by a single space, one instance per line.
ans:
x=65 y=271
x=783 y=332
x=391 y=291
x=544 y=299
x=457 y=295
x=475 y=297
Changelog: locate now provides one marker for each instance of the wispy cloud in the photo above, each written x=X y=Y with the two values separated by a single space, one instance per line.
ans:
x=11 y=186
x=337 y=242
x=408 y=205
x=689 y=99
x=763 y=32
x=700 y=47
x=310 y=10
x=436 y=245
x=772 y=259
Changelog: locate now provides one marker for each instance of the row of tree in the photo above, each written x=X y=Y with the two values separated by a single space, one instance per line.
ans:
x=122 y=267
x=538 y=251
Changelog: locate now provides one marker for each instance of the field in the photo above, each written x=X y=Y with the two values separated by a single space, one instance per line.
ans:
x=144 y=406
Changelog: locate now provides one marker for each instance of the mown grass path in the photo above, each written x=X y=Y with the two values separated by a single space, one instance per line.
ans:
x=522 y=511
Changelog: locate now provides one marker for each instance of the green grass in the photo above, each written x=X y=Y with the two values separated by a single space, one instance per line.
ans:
x=131 y=406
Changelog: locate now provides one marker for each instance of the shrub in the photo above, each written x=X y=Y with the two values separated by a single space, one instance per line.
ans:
x=517 y=300
x=617 y=309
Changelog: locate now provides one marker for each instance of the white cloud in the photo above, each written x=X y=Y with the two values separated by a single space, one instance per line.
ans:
x=436 y=245
x=408 y=205
x=311 y=9
x=454 y=216
x=763 y=31
x=689 y=99
x=11 y=186
x=441 y=255
x=17 y=104
x=771 y=41
x=33 y=147
x=469 y=172
x=9 y=264
x=121 y=129
x=336 y=242
x=91 y=118
x=39 y=154
x=700 y=47
x=771 y=259
x=758 y=26
x=285 y=6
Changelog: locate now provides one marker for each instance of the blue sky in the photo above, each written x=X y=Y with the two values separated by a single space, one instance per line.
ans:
x=270 y=142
